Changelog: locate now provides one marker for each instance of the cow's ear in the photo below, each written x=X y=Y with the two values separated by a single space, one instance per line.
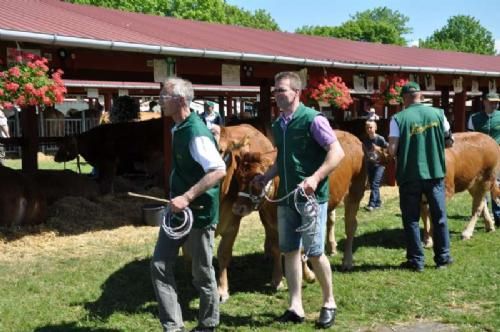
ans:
x=226 y=182
x=228 y=158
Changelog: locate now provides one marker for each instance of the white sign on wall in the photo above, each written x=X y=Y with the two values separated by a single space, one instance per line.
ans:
x=122 y=92
x=160 y=70
x=475 y=86
x=430 y=84
x=230 y=75
x=92 y=93
x=492 y=85
x=458 y=85
x=359 y=83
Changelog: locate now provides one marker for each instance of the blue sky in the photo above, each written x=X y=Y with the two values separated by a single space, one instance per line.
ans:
x=426 y=16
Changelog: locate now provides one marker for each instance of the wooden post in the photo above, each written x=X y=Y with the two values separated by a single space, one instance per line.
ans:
x=222 y=112
x=265 y=114
x=229 y=104
x=459 y=112
x=167 y=152
x=445 y=99
x=30 y=139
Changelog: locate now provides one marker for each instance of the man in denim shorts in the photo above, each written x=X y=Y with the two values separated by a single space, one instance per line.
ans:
x=308 y=151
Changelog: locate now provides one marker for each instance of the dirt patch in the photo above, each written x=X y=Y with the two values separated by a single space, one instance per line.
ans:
x=415 y=327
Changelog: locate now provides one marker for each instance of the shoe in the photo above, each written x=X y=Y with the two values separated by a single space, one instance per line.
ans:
x=444 y=265
x=369 y=208
x=203 y=329
x=326 y=318
x=290 y=316
x=411 y=266
x=497 y=223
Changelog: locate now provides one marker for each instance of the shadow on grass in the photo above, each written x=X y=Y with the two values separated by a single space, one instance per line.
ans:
x=71 y=327
x=129 y=290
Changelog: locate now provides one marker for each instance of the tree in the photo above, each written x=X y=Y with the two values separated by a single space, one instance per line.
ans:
x=379 y=25
x=217 y=11
x=462 y=33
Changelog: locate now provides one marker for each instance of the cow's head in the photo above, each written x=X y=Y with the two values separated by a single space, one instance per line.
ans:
x=67 y=149
x=378 y=154
x=250 y=195
x=229 y=150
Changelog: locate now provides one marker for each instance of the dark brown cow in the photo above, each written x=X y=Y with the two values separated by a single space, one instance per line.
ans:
x=347 y=184
x=21 y=202
x=471 y=164
x=53 y=122
x=25 y=197
x=108 y=146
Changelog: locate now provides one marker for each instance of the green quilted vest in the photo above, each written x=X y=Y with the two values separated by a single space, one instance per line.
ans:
x=186 y=172
x=299 y=155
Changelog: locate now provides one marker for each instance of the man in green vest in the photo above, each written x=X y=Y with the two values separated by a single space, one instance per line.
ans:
x=488 y=122
x=417 y=140
x=308 y=151
x=197 y=169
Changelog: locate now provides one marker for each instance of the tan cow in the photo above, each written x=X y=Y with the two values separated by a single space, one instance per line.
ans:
x=233 y=141
x=347 y=184
x=471 y=164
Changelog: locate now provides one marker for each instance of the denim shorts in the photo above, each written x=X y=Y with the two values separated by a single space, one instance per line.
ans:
x=313 y=239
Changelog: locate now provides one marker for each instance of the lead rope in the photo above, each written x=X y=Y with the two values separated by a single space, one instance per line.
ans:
x=310 y=212
x=177 y=232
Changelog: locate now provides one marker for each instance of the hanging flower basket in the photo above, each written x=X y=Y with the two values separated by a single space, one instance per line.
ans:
x=329 y=90
x=27 y=83
x=390 y=91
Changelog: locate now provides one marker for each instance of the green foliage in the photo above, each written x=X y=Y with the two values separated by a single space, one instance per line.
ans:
x=217 y=11
x=379 y=25
x=462 y=33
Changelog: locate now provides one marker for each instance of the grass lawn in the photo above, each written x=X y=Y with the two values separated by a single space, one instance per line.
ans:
x=99 y=281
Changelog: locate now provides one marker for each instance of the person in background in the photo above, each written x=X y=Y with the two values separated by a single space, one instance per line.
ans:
x=375 y=169
x=4 y=132
x=197 y=169
x=417 y=140
x=209 y=116
x=488 y=122
x=308 y=151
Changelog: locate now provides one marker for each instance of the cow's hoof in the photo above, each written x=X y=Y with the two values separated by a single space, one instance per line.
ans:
x=428 y=244
x=223 y=297
x=310 y=278
x=491 y=229
x=466 y=236
x=279 y=286
x=330 y=249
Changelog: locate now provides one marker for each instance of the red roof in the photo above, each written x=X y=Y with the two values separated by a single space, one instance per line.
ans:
x=54 y=17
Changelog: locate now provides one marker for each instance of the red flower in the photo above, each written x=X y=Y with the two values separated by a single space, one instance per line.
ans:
x=27 y=82
x=330 y=89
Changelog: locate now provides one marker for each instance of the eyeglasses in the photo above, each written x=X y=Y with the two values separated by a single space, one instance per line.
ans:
x=282 y=90
x=167 y=97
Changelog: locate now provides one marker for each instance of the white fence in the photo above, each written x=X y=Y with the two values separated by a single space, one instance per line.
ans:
x=50 y=128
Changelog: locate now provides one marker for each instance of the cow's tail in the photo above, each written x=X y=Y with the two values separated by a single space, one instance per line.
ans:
x=78 y=164
x=495 y=187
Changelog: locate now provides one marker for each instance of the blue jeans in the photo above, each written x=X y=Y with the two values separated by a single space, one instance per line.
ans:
x=375 y=174
x=290 y=240
x=410 y=196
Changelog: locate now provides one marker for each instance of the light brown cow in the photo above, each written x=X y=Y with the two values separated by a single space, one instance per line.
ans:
x=347 y=183
x=471 y=164
x=233 y=141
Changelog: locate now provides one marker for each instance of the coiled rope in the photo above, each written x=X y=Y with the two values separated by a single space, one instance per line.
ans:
x=310 y=212
x=174 y=230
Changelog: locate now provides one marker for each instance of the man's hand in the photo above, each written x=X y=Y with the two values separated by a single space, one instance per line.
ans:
x=179 y=203
x=310 y=184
